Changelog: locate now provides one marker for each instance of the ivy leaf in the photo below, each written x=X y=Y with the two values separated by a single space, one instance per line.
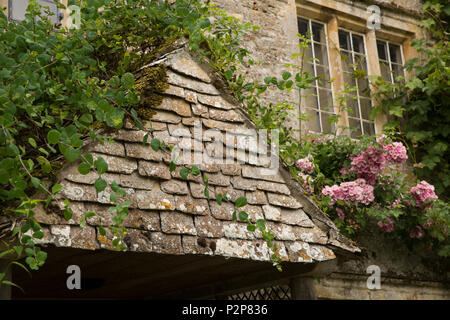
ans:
x=84 y=168
x=184 y=172
x=286 y=75
x=32 y=142
x=53 y=136
x=251 y=227
x=56 y=188
x=240 y=202
x=261 y=224
x=155 y=144
x=219 y=199
x=100 y=184
x=172 y=166
x=72 y=154
x=100 y=165
x=243 y=216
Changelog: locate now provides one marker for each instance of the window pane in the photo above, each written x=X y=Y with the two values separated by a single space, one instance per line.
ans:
x=323 y=82
x=307 y=54
x=318 y=32
x=355 y=128
x=363 y=87
x=352 y=106
x=308 y=67
x=313 y=122
x=394 y=51
x=360 y=63
x=344 y=40
x=347 y=61
x=326 y=125
x=320 y=52
x=302 y=26
x=385 y=71
x=310 y=98
x=358 y=43
x=397 y=70
x=369 y=128
x=349 y=79
x=366 y=105
x=326 y=100
x=382 y=53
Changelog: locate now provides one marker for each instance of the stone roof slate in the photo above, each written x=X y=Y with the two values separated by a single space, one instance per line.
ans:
x=170 y=215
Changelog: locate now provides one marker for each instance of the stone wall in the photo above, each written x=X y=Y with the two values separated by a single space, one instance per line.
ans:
x=273 y=44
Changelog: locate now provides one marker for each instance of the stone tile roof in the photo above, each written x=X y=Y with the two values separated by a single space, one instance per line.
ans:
x=171 y=215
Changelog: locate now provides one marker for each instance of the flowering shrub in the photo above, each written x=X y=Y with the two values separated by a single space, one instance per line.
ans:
x=356 y=182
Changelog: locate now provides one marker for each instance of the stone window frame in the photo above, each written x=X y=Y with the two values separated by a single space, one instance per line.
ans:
x=396 y=27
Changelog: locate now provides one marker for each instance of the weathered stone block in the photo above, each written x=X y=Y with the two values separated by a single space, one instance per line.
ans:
x=209 y=227
x=167 y=117
x=272 y=213
x=188 y=83
x=296 y=217
x=183 y=63
x=222 y=115
x=79 y=192
x=218 y=179
x=115 y=148
x=216 y=102
x=197 y=191
x=256 y=197
x=231 y=193
x=175 y=187
x=258 y=173
x=155 y=199
x=136 y=181
x=84 y=238
x=154 y=169
x=139 y=151
x=117 y=164
x=144 y=220
x=222 y=212
x=244 y=184
x=177 y=223
x=231 y=169
x=234 y=229
x=191 y=245
x=190 y=205
x=283 y=201
x=166 y=243
x=273 y=187
x=179 y=106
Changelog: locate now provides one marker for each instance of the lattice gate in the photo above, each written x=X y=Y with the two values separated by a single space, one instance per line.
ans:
x=278 y=292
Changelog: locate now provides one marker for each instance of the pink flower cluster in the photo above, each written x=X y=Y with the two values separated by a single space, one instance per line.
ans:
x=368 y=164
x=416 y=233
x=305 y=164
x=422 y=192
x=352 y=192
x=387 y=226
x=306 y=182
x=395 y=152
